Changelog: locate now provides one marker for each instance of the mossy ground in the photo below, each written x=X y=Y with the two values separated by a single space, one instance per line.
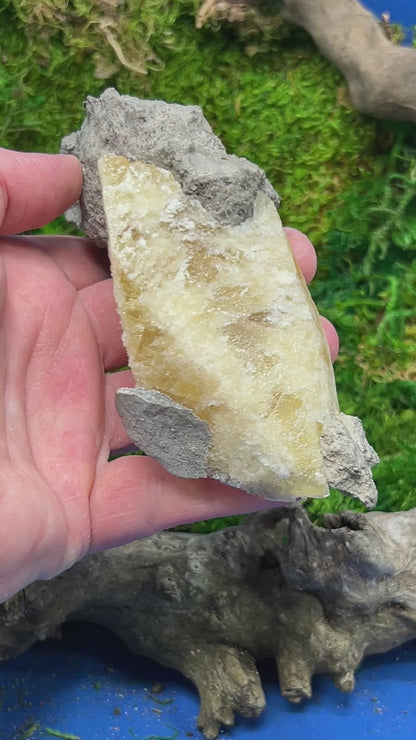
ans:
x=349 y=182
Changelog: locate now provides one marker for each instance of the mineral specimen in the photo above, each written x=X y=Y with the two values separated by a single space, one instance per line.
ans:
x=232 y=367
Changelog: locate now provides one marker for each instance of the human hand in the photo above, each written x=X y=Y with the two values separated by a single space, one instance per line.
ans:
x=60 y=498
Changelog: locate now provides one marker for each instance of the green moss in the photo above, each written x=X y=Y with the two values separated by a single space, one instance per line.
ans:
x=347 y=181
x=267 y=107
x=368 y=289
x=57 y=733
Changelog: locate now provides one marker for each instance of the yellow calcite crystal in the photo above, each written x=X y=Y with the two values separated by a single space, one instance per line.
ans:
x=218 y=319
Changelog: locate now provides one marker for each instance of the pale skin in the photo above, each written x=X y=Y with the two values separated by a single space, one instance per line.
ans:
x=60 y=498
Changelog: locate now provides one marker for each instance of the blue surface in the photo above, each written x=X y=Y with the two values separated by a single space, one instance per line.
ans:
x=90 y=686
x=401 y=11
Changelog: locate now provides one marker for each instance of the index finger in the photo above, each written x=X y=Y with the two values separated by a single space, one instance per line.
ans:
x=36 y=188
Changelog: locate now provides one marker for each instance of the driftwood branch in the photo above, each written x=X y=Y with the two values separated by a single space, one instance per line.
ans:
x=381 y=75
x=316 y=599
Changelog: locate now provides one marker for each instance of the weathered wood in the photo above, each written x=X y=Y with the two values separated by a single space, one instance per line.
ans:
x=381 y=75
x=316 y=599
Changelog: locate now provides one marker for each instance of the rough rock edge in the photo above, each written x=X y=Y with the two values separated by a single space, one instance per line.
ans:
x=316 y=599
x=165 y=430
x=169 y=135
x=348 y=459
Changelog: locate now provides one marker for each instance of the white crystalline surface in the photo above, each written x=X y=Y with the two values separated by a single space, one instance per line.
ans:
x=219 y=319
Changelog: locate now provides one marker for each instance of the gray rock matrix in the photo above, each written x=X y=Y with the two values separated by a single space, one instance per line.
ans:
x=165 y=430
x=176 y=137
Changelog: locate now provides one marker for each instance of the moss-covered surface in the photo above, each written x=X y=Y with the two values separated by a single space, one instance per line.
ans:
x=347 y=181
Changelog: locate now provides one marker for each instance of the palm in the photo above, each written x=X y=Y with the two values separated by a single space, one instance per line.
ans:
x=58 y=429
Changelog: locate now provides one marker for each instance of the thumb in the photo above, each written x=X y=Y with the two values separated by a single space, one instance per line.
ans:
x=36 y=188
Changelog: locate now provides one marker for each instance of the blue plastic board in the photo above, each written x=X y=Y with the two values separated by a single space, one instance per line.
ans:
x=401 y=11
x=92 y=688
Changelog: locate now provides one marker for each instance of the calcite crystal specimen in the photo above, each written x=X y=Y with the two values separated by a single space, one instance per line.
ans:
x=234 y=379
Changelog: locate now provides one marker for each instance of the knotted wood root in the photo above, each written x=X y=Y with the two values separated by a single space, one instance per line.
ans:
x=381 y=75
x=318 y=599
